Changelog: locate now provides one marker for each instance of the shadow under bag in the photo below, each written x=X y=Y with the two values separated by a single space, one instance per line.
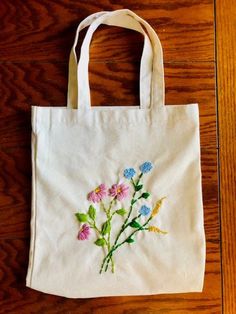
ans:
x=116 y=191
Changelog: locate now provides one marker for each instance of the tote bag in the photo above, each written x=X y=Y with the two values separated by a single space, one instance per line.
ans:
x=116 y=191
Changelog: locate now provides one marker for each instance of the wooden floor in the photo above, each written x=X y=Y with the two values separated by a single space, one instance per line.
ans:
x=35 y=41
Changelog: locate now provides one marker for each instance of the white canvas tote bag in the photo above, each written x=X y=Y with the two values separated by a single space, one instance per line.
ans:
x=116 y=191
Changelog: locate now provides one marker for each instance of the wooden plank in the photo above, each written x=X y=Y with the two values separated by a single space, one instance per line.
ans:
x=44 y=84
x=16 y=298
x=15 y=192
x=210 y=193
x=226 y=72
x=44 y=30
x=35 y=41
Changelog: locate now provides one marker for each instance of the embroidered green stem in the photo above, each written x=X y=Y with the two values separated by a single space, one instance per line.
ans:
x=112 y=260
x=109 y=255
x=109 y=216
x=104 y=208
x=125 y=224
x=93 y=225
x=133 y=201
x=114 y=247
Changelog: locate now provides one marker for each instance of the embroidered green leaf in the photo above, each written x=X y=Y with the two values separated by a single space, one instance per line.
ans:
x=135 y=224
x=138 y=187
x=130 y=240
x=100 y=242
x=121 y=212
x=106 y=227
x=92 y=212
x=81 y=217
x=145 y=195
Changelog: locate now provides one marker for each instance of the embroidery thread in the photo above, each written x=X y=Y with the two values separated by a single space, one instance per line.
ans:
x=135 y=219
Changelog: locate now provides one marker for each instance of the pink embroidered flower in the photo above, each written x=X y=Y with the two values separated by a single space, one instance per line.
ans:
x=120 y=191
x=98 y=194
x=84 y=232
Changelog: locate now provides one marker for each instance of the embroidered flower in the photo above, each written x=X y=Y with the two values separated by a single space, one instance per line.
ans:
x=146 y=167
x=120 y=191
x=129 y=173
x=144 y=210
x=98 y=194
x=84 y=232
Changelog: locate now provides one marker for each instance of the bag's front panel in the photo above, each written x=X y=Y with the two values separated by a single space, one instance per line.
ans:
x=116 y=202
x=74 y=159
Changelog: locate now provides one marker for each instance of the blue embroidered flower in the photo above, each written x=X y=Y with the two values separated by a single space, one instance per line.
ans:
x=129 y=173
x=144 y=210
x=146 y=167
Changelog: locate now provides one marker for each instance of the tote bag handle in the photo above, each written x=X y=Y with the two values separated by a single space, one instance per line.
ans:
x=151 y=72
x=146 y=61
x=153 y=69
x=72 y=94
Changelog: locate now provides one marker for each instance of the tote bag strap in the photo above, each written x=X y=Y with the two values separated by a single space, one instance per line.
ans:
x=72 y=94
x=146 y=60
x=151 y=96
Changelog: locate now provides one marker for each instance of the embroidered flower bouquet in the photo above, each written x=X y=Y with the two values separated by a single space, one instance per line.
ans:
x=135 y=219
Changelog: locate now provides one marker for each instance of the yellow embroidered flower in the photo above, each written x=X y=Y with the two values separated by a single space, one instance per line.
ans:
x=155 y=229
x=157 y=207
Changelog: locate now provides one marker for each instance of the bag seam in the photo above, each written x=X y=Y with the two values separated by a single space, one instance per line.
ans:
x=34 y=198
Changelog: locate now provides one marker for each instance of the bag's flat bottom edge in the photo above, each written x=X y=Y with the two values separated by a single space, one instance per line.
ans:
x=87 y=296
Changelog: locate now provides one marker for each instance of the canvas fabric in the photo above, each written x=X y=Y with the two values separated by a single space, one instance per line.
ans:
x=78 y=147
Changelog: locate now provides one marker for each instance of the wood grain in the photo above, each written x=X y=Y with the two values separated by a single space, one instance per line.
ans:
x=35 y=41
x=44 y=84
x=37 y=30
x=226 y=72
